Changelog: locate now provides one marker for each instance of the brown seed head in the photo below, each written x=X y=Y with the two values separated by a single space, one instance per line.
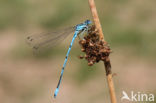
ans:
x=90 y=63
x=96 y=50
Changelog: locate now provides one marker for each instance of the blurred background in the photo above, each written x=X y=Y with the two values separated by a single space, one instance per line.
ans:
x=129 y=27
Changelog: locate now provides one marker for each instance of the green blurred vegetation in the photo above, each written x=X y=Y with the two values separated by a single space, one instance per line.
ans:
x=125 y=24
x=128 y=25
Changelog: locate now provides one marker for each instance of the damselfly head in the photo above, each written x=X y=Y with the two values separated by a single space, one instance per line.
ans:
x=87 y=22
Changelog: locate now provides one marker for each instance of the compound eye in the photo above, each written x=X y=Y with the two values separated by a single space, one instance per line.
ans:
x=83 y=29
x=88 y=22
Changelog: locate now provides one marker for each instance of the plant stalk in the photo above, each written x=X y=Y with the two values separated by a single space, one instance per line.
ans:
x=107 y=63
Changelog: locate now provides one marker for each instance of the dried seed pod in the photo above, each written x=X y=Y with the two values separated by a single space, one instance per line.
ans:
x=91 y=44
x=82 y=41
x=96 y=50
x=90 y=63
x=103 y=58
x=82 y=49
x=86 y=56
x=80 y=57
x=103 y=51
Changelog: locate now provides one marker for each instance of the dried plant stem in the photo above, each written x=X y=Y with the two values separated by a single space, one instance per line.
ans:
x=107 y=62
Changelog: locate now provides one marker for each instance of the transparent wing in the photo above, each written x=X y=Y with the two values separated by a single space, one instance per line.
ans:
x=50 y=39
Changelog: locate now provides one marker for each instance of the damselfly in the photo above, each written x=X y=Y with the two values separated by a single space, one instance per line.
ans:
x=41 y=40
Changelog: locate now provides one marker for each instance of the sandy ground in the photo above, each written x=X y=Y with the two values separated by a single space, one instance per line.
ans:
x=28 y=80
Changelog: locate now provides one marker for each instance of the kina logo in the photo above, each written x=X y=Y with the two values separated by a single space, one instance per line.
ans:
x=137 y=97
